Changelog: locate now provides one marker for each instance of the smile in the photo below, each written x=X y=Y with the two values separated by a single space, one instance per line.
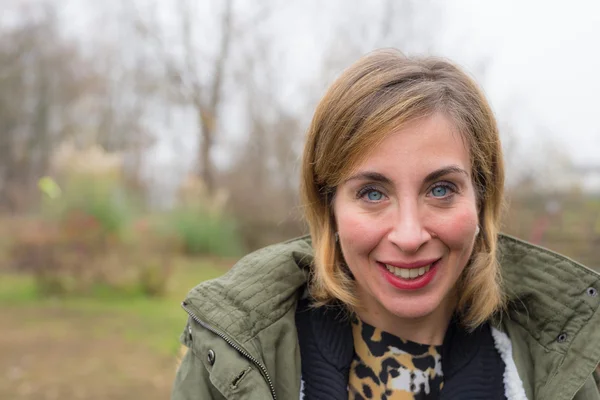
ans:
x=410 y=276
x=408 y=273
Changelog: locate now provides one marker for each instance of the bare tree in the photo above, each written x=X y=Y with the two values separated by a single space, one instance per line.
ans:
x=52 y=91
x=37 y=90
x=193 y=77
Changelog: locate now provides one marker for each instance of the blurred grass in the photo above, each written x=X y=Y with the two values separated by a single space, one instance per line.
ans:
x=155 y=322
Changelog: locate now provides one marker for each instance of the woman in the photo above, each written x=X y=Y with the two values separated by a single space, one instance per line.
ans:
x=398 y=293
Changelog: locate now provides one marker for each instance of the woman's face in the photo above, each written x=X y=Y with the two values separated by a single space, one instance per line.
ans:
x=407 y=220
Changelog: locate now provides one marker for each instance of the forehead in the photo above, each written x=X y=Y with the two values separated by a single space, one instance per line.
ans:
x=419 y=146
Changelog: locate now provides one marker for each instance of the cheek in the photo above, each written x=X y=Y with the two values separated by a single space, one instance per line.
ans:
x=457 y=229
x=356 y=232
x=359 y=232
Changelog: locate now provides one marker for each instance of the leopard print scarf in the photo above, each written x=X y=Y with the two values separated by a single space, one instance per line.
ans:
x=387 y=367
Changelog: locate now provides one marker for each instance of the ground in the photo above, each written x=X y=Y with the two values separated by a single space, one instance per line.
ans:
x=58 y=354
x=91 y=348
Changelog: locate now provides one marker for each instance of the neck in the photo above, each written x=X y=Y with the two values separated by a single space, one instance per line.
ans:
x=428 y=329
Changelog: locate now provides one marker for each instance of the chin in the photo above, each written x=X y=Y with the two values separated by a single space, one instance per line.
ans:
x=408 y=307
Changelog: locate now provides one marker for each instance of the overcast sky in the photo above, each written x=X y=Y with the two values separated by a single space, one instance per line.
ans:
x=544 y=63
x=546 y=57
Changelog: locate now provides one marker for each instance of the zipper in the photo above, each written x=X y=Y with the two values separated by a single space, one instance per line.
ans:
x=230 y=342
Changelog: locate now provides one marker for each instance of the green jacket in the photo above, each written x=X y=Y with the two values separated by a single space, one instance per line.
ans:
x=243 y=342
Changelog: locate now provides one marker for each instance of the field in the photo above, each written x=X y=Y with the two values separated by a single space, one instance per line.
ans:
x=104 y=346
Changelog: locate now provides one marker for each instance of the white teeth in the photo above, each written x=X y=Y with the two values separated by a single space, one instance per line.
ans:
x=408 y=273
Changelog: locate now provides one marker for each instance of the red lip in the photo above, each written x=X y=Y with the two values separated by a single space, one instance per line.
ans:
x=410 y=284
x=416 y=264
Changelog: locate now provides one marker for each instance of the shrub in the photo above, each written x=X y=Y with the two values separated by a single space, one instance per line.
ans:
x=59 y=254
x=154 y=247
x=86 y=211
x=203 y=233
x=201 y=223
x=102 y=198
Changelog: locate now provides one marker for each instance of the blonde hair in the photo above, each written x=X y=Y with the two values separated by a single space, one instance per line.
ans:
x=375 y=96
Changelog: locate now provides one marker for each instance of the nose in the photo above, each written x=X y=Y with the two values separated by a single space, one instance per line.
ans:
x=408 y=232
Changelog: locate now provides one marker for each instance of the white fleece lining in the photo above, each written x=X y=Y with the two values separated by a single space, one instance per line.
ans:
x=513 y=385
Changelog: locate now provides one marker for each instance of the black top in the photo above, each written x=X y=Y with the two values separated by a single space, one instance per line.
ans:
x=472 y=367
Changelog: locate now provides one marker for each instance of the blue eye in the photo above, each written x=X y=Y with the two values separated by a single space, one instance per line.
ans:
x=443 y=191
x=439 y=191
x=370 y=194
x=374 y=195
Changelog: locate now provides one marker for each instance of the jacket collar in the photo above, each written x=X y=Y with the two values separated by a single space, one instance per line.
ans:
x=258 y=291
x=545 y=290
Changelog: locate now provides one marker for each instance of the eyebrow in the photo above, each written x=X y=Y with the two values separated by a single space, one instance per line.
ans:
x=370 y=176
x=438 y=173
x=451 y=169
